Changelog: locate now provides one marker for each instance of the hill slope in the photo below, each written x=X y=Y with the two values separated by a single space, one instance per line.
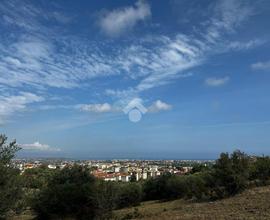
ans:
x=251 y=204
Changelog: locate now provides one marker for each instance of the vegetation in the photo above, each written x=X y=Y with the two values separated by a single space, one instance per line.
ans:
x=129 y=195
x=10 y=187
x=37 y=178
x=260 y=170
x=70 y=193
x=251 y=204
x=228 y=177
x=74 y=193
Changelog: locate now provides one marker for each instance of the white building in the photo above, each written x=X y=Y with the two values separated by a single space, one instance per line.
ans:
x=50 y=166
x=117 y=169
x=144 y=176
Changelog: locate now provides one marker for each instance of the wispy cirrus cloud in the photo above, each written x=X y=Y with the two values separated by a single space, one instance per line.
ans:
x=228 y=16
x=156 y=106
x=97 y=108
x=216 y=82
x=177 y=55
x=41 y=61
x=36 y=63
x=261 y=65
x=237 y=45
x=16 y=103
x=152 y=61
x=30 y=17
x=118 y=21
x=158 y=60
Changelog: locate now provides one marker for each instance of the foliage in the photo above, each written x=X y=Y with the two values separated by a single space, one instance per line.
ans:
x=260 y=170
x=70 y=193
x=75 y=193
x=156 y=188
x=130 y=194
x=196 y=187
x=199 y=168
x=176 y=187
x=172 y=187
x=106 y=198
x=7 y=151
x=37 y=178
x=231 y=174
x=10 y=187
x=133 y=178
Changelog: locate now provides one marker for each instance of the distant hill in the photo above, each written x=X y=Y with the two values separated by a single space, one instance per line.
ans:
x=251 y=204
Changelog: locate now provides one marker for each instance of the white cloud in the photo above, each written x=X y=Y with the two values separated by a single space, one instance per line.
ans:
x=159 y=106
x=35 y=62
x=156 y=106
x=61 y=18
x=122 y=20
x=162 y=60
x=40 y=60
x=29 y=17
x=98 y=108
x=261 y=65
x=152 y=61
x=228 y=15
x=215 y=82
x=233 y=13
x=12 y=104
x=38 y=147
x=237 y=45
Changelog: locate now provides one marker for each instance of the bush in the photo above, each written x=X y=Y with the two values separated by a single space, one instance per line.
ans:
x=231 y=174
x=196 y=187
x=261 y=170
x=37 y=178
x=130 y=194
x=176 y=187
x=106 y=198
x=10 y=185
x=70 y=193
x=227 y=177
x=156 y=188
x=199 y=168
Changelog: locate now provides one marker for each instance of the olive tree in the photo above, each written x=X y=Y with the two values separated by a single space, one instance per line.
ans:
x=10 y=187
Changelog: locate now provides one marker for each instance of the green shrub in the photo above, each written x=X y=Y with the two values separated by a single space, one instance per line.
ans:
x=107 y=194
x=261 y=170
x=37 y=178
x=130 y=194
x=176 y=187
x=70 y=193
x=10 y=184
x=231 y=174
x=156 y=188
x=196 y=187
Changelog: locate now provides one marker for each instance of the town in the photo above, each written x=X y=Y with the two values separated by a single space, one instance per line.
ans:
x=117 y=170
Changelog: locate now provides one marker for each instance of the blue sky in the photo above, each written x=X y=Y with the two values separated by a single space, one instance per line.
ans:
x=201 y=69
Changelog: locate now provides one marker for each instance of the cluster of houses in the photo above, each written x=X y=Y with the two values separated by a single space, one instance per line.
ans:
x=134 y=170
x=126 y=174
x=115 y=170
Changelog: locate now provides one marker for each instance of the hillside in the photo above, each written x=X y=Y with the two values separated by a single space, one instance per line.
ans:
x=251 y=204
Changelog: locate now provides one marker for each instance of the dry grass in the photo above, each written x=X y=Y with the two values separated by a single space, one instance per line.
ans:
x=251 y=204
x=27 y=215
